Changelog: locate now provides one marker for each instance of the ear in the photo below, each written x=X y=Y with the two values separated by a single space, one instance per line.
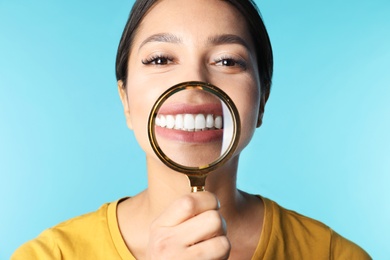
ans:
x=125 y=103
x=263 y=101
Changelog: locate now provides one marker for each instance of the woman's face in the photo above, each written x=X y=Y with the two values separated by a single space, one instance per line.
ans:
x=203 y=40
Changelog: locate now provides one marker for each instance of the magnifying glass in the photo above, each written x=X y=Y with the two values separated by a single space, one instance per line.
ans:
x=194 y=128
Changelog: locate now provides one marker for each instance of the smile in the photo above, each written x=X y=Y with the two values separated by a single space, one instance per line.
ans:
x=190 y=122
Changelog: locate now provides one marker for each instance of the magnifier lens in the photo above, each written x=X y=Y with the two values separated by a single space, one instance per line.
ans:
x=193 y=128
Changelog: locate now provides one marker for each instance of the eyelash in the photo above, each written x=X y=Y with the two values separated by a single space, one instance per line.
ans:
x=153 y=60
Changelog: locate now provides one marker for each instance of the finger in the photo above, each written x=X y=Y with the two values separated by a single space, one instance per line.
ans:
x=204 y=226
x=214 y=248
x=187 y=207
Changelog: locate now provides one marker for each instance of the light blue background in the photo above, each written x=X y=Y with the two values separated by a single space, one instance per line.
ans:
x=323 y=150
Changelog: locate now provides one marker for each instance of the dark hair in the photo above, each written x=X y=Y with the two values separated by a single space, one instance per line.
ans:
x=247 y=8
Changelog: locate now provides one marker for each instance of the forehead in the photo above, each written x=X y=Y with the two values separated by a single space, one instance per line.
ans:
x=192 y=19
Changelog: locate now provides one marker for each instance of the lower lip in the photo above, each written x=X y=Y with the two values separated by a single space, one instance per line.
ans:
x=206 y=136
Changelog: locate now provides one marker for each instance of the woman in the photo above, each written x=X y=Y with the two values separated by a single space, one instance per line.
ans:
x=164 y=43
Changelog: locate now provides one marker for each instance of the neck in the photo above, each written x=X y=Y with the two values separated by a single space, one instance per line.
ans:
x=166 y=185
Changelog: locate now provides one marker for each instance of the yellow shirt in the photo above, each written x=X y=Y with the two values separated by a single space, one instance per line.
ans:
x=286 y=235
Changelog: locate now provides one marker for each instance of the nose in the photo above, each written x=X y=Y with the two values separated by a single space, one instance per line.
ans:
x=197 y=71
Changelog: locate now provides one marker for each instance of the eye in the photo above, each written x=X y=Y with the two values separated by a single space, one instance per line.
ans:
x=158 y=60
x=230 y=62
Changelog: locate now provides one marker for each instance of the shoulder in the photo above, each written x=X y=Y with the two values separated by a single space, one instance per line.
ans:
x=42 y=247
x=290 y=223
x=82 y=234
x=85 y=225
x=305 y=237
x=342 y=248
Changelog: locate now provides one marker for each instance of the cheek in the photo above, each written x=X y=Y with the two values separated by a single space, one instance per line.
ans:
x=141 y=98
x=248 y=107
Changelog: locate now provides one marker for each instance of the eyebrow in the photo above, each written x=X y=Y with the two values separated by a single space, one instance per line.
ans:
x=227 y=39
x=214 y=40
x=161 y=37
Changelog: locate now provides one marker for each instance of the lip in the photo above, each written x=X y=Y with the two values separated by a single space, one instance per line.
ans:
x=206 y=136
x=190 y=137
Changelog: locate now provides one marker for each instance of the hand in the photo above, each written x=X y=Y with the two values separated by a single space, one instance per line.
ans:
x=191 y=228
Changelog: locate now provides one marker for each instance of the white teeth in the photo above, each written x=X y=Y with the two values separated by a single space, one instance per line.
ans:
x=200 y=122
x=189 y=122
x=178 y=122
x=162 y=121
x=209 y=121
x=218 y=122
x=170 y=121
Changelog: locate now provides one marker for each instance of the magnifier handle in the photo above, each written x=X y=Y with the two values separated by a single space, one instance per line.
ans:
x=197 y=183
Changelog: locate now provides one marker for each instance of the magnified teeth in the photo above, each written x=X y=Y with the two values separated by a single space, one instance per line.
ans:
x=178 y=122
x=218 y=122
x=200 y=122
x=162 y=121
x=209 y=121
x=190 y=122
x=170 y=121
